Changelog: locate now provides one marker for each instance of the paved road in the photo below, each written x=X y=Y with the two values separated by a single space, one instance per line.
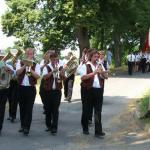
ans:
x=122 y=132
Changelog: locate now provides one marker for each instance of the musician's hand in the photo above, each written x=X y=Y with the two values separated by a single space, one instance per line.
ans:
x=65 y=67
x=8 y=70
x=55 y=70
x=97 y=71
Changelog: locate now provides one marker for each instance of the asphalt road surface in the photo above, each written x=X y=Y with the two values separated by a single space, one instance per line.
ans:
x=122 y=132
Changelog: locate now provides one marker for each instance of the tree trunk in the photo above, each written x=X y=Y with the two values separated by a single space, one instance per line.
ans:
x=142 y=40
x=82 y=37
x=102 y=39
x=117 y=49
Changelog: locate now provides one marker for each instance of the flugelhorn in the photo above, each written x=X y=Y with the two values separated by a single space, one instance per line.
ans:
x=28 y=63
x=102 y=69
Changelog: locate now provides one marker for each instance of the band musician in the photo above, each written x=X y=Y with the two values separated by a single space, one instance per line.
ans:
x=69 y=81
x=28 y=71
x=53 y=74
x=45 y=61
x=6 y=73
x=92 y=77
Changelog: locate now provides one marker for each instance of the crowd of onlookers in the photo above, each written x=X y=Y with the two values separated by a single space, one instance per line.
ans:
x=138 y=61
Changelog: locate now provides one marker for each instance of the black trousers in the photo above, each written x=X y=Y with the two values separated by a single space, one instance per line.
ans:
x=68 y=86
x=13 y=98
x=3 y=100
x=52 y=103
x=26 y=102
x=42 y=93
x=130 y=67
x=143 y=65
x=93 y=97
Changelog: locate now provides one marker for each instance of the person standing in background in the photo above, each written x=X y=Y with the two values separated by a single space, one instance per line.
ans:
x=130 y=61
x=109 y=56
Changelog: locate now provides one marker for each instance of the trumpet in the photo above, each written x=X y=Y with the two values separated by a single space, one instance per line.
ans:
x=28 y=63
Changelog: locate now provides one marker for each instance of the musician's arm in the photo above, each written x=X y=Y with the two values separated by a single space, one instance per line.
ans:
x=84 y=76
x=37 y=72
x=88 y=76
x=19 y=69
x=10 y=69
x=45 y=74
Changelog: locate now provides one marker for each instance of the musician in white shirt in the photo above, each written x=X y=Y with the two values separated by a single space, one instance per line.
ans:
x=130 y=59
x=5 y=76
x=53 y=75
x=27 y=79
x=92 y=85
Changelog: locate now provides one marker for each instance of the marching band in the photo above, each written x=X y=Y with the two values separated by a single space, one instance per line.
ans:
x=18 y=84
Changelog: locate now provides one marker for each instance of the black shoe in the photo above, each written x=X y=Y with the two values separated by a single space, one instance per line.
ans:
x=26 y=132
x=53 y=131
x=85 y=132
x=100 y=135
x=21 y=130
x=89 y=122
x=44 y=112
x=9 y=118
x=48 y=129
x=12 y=120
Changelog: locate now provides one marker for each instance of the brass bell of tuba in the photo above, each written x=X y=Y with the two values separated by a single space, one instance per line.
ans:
x=71 y=66
x=4 y=75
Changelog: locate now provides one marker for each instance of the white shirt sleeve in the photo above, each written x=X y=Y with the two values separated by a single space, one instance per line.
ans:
x=42 y=63
x=44 y=71
x=61 y=63
x=83 y=70
x=37 y=69
x=18 y=65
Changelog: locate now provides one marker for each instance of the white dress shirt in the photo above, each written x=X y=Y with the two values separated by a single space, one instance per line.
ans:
x=45 y=72
x=25 y=81
x=83 y=71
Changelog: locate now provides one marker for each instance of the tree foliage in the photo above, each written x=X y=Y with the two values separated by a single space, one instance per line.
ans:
x=119 y=24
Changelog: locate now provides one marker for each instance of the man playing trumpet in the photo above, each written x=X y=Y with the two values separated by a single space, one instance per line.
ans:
x=53 y=74
x=92 y=86
x=27 y=73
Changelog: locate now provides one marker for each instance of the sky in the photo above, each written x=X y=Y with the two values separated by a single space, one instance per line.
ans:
x=4 y=40
x=9 y=41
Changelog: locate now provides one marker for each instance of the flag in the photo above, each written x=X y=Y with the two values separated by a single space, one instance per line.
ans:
x=147 y=42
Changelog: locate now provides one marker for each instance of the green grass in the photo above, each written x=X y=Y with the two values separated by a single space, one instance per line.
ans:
x=144 y=102
x=143 y=105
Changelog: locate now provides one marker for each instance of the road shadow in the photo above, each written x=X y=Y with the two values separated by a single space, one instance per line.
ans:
x=145 y=75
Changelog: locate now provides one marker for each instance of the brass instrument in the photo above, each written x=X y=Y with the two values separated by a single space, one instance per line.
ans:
x=19 y=52
x=28 y=63
x=103 y=70
x=4 y=75
x=56 y=72
x=71 y=66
